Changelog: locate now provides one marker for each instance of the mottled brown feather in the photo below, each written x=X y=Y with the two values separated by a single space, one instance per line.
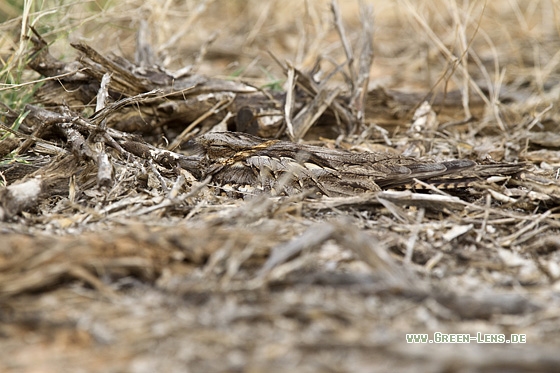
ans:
x=282 y=167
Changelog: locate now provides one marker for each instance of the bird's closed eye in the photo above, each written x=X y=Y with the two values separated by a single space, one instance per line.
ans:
x=219 y=151
x=220 y=148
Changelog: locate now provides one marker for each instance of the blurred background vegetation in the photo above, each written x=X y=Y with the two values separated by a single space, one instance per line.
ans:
x=419 y=45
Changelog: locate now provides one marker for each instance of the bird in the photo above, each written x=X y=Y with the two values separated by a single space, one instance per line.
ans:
x=238 y=162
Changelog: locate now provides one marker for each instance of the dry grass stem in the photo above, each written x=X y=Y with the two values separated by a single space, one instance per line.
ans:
x=212 y=186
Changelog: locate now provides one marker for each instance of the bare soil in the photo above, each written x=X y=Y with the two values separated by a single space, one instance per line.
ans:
x=117 y=256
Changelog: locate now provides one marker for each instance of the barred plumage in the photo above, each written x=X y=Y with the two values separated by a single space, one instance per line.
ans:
x=237 y=160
